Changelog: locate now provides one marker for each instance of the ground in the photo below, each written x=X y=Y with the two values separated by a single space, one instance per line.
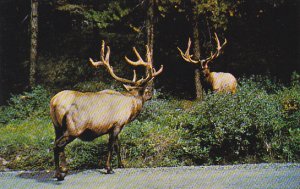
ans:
x=232 y=176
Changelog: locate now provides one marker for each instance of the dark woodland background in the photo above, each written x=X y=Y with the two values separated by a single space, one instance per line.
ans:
x=260 y=123
x=263 y=38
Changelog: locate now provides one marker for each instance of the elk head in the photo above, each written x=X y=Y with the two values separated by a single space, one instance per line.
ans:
x=134 y=86
x=217 y=81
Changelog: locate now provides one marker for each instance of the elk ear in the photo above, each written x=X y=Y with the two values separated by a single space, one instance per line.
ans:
x=204 y=65
x=128 y=87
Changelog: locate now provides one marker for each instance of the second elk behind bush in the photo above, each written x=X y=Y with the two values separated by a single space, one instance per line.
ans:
x=216 y=81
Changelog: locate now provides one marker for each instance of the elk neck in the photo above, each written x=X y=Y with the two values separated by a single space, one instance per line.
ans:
x=205 y=72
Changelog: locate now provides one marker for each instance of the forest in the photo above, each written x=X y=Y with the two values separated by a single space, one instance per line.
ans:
x=45 y=47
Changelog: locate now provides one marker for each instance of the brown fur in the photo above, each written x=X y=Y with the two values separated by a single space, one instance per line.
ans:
x=220 y=82
x=90 y=115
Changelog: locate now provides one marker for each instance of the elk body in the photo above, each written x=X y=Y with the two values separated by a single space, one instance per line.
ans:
x=215 y=81
x=90 y=115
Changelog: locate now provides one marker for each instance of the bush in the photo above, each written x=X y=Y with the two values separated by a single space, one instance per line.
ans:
x=248 y=126
x=289 y=145
x=257 y=124
x=26 y=105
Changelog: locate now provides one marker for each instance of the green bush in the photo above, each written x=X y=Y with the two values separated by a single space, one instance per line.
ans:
x=59 y=72
x=248 y=126
x=289 y=145
x=260 y=123
x=28 y=104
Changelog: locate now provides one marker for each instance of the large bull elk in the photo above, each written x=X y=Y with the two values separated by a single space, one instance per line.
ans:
x=216 y=81
x=89 y=115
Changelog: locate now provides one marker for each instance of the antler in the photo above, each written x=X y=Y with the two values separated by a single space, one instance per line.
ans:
x=217 y=53
x=187 y=57
x=151 y=73
x=105 y=62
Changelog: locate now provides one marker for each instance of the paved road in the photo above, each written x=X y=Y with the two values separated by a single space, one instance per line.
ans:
x=234 y=176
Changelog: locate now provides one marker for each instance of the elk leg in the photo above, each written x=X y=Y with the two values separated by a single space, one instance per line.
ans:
x=112 y=139
x=117 y=148
x=59 y=147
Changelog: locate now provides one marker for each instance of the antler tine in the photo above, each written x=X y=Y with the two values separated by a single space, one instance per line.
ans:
x=98 y=63
x=139 y=62
x=186 y=56
x=134 y=76
x=156 y=73
x=217 y=53
x=105 y=62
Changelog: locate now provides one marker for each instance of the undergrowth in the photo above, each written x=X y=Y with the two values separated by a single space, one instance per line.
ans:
x=260 y=123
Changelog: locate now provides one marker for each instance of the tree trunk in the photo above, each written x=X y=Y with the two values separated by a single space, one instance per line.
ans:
x=33 y=46
x=150 y=36
x=196 y=51
x=2 y=25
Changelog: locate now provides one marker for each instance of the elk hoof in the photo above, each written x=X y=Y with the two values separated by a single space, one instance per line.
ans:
x=60 y=176
x=109 y=170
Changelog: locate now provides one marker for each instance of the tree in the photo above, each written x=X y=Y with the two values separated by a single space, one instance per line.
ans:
x=33 y=44
x=150 y=34
x=1 y=58
x=196 y=49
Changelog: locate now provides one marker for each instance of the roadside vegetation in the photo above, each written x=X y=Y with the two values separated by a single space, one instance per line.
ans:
x=260 y=123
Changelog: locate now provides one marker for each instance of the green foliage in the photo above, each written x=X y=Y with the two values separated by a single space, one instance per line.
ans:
x=87 y=154
x=113 y=13
x=26 y=105
x=259 y=123
x=218 y=12
x=104 y=15
x=290 y=138
x=248 y=126
x=150 y=144
x=27 y=144
x=61 y=71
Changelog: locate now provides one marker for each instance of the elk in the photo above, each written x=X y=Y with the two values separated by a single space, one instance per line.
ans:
x=216 y=81
x=92 y=114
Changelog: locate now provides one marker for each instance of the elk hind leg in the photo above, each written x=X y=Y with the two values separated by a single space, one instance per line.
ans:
x=59 y=154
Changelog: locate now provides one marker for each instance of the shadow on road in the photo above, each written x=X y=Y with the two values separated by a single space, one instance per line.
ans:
x=48 y=177
x=42 y=177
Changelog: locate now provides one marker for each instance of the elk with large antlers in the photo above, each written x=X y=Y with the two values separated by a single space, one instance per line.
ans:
x=90 y=115
x=216 y=81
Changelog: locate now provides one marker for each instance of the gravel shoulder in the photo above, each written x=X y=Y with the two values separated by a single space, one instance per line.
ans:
x=231 y=176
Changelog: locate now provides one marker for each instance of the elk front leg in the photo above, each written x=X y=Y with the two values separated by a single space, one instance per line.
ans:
x=117 y=148
x=112 y=141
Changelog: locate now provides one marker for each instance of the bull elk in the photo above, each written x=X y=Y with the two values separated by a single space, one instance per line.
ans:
x=216 y=81
x=89 y=115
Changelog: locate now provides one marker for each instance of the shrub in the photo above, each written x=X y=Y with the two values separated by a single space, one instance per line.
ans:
x=229 y=128
x=259 y=123
x=288 y=146
x=28 y=104
x=150 y=144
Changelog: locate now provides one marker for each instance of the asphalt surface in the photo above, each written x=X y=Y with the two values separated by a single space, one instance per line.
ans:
x=233 y=176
